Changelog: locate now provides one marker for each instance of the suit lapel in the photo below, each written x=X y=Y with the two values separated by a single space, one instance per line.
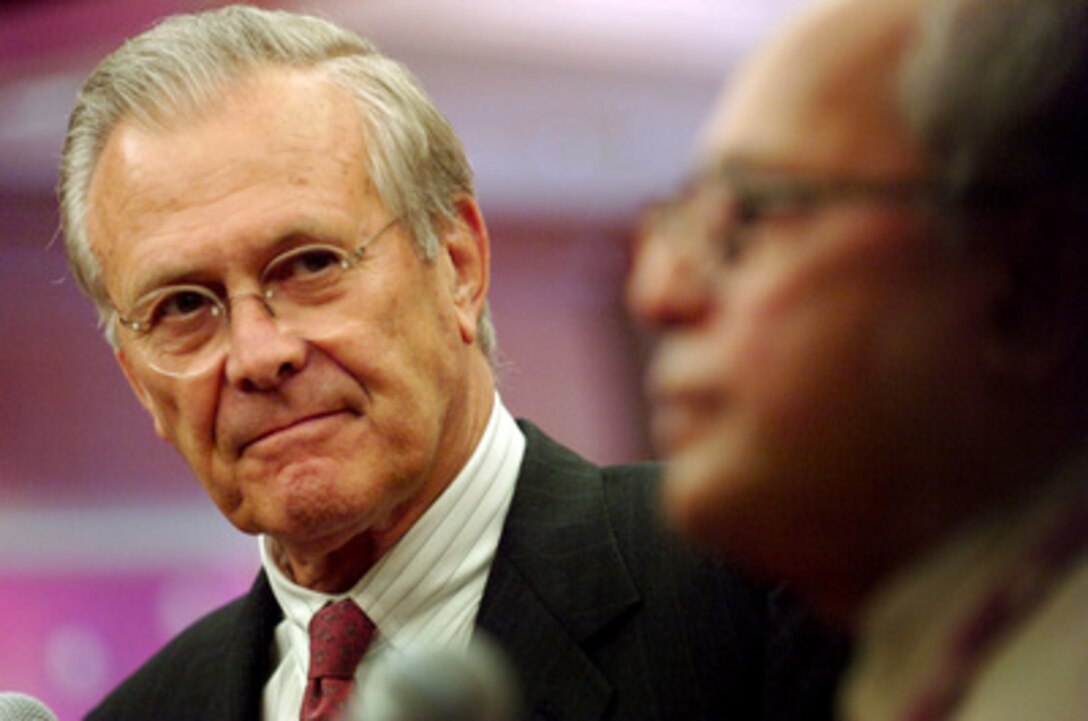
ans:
x=247 y=656
x=557 y=579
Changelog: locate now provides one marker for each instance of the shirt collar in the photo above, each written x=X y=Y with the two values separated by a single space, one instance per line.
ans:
x=442 y=558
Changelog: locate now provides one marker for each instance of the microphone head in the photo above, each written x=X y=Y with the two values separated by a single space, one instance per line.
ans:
x=475 y=684
x=20 y=707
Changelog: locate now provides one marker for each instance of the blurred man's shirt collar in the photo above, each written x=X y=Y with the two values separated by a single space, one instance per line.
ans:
x=908 y=635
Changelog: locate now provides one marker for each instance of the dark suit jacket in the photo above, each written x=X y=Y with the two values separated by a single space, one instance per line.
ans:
x=602 y=613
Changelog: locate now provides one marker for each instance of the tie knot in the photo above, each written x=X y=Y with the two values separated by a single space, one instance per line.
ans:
x=339 y=635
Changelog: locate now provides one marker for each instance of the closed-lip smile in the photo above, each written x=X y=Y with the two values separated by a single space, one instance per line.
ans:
x=293 y=423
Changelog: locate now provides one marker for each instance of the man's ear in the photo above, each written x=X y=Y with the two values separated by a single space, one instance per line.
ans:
x=1040 y=316
x=138 y=388
x=466 y=244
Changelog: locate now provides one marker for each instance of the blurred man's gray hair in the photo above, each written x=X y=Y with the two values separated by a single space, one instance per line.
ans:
x=997 y=91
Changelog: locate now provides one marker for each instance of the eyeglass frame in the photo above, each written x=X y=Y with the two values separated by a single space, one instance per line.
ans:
x=788 y=192
x=221 y=305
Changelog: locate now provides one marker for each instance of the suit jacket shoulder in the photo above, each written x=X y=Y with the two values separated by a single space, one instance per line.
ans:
x=607 y=615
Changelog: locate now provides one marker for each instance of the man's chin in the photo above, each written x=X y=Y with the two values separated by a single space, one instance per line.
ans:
x=716 y=492
x=697 y=483
x=306 y=521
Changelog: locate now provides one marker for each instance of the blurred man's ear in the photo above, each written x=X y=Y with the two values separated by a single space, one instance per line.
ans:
x=1040 y=320
x=467 y=246
x=138 y=388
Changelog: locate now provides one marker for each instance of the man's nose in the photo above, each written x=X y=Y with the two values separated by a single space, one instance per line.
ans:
x=262 y=353
x=669 y=283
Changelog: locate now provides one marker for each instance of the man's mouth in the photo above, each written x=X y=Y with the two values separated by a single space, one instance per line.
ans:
x=289 y=427
x=686 y=396
x=680 y=418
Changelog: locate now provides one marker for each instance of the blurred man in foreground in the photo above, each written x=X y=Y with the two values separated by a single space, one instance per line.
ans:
x=280 y=234
x=871 y=380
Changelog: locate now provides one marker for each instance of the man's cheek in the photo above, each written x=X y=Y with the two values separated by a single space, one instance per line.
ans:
x=185 y=420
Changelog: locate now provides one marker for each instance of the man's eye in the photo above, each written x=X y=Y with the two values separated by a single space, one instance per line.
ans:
x=305 y=264
x=747 y=210
x=180 y=305
x=737 y=226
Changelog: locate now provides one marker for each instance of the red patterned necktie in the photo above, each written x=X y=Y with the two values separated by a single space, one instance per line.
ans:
x=339 y=635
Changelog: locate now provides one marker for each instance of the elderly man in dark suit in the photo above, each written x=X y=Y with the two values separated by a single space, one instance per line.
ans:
x=874 y=310
x=280 y=235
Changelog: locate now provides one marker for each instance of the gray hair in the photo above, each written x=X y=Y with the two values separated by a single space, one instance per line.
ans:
x=185 y=63
x=997 y=90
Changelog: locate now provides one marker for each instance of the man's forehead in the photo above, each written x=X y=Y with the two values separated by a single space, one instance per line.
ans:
x=825 y=87
x=273 y=133
x=269 y=93
x=276 y=118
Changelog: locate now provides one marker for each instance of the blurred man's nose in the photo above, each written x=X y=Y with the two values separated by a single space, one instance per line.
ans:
x=669 y=283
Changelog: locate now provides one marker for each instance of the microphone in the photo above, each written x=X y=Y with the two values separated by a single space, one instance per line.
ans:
x=475 y=684
x=19 y=707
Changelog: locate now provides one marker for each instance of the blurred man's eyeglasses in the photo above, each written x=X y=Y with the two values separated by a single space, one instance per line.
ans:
x=183 y=330
x=720 y=214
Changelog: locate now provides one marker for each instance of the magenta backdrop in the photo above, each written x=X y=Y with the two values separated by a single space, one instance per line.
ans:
x=70 y=636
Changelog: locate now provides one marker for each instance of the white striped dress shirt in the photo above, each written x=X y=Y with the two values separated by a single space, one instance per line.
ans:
x=425 y=591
